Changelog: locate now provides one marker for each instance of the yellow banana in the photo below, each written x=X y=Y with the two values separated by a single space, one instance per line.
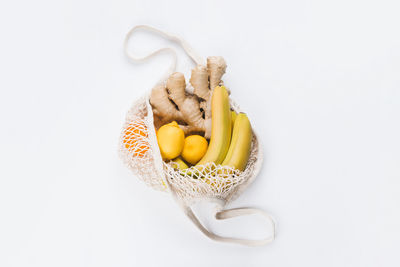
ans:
x=221 y=127
x=239 y=150
x=234 y=114
x=179 y=164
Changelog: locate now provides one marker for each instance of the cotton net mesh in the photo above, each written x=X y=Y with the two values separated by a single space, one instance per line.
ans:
x=139 y=151
x=136 y=149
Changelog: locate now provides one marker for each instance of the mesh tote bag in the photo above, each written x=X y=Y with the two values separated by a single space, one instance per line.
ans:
x=217 y=183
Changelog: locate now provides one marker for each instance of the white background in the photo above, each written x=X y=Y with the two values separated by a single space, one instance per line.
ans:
x=320 y=81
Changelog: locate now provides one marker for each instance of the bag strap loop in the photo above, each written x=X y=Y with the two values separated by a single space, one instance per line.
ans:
x=186 y=47
x=223 y=215
x=231 y=213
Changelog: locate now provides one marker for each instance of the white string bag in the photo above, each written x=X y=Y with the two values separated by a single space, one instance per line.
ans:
x=219 y=184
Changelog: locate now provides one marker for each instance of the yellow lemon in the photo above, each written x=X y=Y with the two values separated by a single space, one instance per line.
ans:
x=170 y=140
x=194 y=148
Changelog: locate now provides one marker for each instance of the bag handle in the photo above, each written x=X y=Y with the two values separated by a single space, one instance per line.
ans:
x=231 y=213
x=223 y=215
x=186 y=47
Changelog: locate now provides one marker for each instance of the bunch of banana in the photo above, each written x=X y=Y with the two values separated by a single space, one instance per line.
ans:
x=221 y=149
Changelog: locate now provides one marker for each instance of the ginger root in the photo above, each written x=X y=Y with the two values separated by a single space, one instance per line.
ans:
x=171 y=102
x=176 y=87
x=192 y=111
x=162 y=106
x=199 y=81
x=216 y=68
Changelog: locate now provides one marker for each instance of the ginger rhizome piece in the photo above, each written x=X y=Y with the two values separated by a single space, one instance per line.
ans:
x=199 y=81
x=216 y=67
x=192 y=111
x=171 y=102
x=176 y=87
x=163 y=109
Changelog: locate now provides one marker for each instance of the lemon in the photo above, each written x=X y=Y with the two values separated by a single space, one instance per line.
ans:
x=170 y=140
x=194 y=148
